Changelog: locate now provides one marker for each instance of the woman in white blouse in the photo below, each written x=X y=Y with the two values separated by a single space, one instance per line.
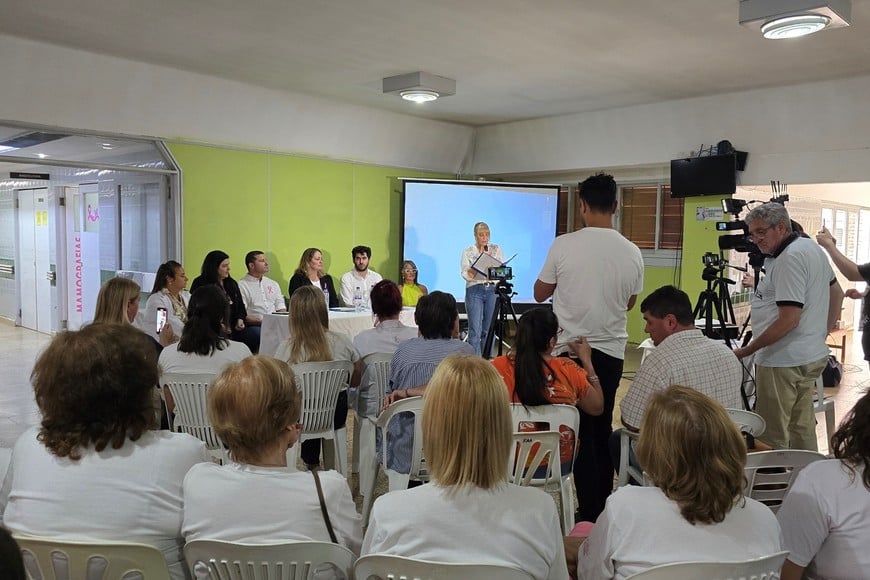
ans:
x=310 y=341
x=255 y=407
x=469 y=512
x=169 y=293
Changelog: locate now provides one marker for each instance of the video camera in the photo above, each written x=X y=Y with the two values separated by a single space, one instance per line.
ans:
x=741 y=242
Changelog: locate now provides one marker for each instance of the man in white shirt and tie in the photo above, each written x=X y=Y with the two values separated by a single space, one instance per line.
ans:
x=261 y=294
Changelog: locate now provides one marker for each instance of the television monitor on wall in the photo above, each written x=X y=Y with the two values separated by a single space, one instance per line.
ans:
x=711 y=175
x=438 y=218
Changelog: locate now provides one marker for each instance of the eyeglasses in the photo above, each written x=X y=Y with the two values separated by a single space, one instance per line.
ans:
x=760 y=232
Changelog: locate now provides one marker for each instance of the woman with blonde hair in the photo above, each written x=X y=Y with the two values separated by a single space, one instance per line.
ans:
x=118 y=303
x=310 y=341
x=693 y=453
x=411 y=289
x=470 y=511
x=310 y=273
x=254 y=407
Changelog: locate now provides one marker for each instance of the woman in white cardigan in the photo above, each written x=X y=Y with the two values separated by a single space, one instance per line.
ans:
x=255 y=407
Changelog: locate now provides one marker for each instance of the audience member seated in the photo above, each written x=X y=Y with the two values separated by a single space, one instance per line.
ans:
x=95 y=469
x=118 y=303
x=261 y=294
x=361 y=277
x=825 y=517
x=254 y=407
x=385 y=337
x=11 y=563
x=534 y=377
x=682 y=356
x=311 y=341
x=469 y=513
x=216 y=270
x=203 y=348
x=414 y=362
x=310 y=273
x=693 y=453
x=410 y=288
x=169 y=293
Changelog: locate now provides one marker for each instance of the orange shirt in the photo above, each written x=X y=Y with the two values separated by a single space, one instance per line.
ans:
x=567 y=383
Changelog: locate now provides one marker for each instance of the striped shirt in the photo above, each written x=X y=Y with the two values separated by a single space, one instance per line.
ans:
x=413 y=364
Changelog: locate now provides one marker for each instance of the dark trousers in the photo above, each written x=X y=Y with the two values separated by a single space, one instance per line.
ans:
x=310 y=450
x=593 y=468
x=250 y=335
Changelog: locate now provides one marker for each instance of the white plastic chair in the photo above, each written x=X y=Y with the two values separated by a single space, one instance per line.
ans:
x=190 y=394
x=747 y=421
x=51 y=559
x=377 y=367
x=825 y=404
x=216 y=560
x=387 y=567
x=321 y=383
x=770 y=474
x=396 y=480
x=627 y=472
x=764 y=568
x=553 y=418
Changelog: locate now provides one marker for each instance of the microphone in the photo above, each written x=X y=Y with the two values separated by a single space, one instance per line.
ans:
x=486 y=247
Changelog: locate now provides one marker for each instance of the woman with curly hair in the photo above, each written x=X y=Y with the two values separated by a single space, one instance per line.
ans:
x=825 y=517
x=692 y=452
x=95 y=469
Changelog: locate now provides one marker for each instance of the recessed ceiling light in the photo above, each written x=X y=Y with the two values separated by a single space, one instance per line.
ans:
x=794 y=26
x=41 y=155
x=419 y=96
x=107 y=145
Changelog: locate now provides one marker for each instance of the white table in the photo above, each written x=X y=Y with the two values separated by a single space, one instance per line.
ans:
x=276 y=327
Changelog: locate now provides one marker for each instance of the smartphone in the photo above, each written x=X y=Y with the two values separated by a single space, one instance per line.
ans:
x=161 y=319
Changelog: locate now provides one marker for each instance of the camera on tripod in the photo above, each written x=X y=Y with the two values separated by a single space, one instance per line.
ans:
x=712 y=260
x=741 y=242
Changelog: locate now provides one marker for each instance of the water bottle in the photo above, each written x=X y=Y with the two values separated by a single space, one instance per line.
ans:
x=358 y=301
x=326 y=296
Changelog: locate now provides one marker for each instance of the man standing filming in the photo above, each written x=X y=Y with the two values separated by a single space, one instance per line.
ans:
x=794 y=306
x=594 y=276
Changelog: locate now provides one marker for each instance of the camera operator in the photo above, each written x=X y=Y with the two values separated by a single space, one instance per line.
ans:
x=793 y=308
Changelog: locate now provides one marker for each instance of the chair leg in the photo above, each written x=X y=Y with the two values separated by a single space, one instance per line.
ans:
x=369 y=495
x=569 y=505
x=398 y=480
x=340 y=445
x=357 y=428
x=366 y=450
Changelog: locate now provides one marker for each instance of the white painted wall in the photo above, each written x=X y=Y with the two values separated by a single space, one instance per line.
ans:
x=811 y=133
x=57 y=86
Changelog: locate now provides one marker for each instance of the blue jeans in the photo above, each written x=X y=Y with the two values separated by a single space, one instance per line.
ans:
x=479 y=305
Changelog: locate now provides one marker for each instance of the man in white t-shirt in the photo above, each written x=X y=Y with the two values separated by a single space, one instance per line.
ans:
x=261 y=294
x=794 y=306
x=594 y=276
x=361 y=277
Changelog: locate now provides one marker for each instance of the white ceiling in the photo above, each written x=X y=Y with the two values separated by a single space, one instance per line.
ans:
x=512 y=59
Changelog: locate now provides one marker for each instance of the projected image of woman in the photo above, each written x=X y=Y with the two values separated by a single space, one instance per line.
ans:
x=479 y=291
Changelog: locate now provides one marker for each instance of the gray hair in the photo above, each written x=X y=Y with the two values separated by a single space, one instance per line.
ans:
x=770 y=213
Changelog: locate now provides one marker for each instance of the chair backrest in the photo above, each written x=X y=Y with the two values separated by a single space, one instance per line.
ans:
x=51 y=559
x=764 y=568
x=747 y=421
x=218 y=560
x=190 y=394
x=320 y=383
x=385 y=567
x=531 y=452
x=378 y=364
x=413 y=405
x=564 y=419
x=770 y=474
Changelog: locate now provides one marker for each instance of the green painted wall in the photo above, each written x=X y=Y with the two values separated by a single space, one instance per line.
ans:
x=237 y=201
x=699 y=237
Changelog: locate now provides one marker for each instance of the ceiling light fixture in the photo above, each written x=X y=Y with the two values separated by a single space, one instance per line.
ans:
x=419 y=87
x=107 y=145
x=781 y=19
x=41 y=155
